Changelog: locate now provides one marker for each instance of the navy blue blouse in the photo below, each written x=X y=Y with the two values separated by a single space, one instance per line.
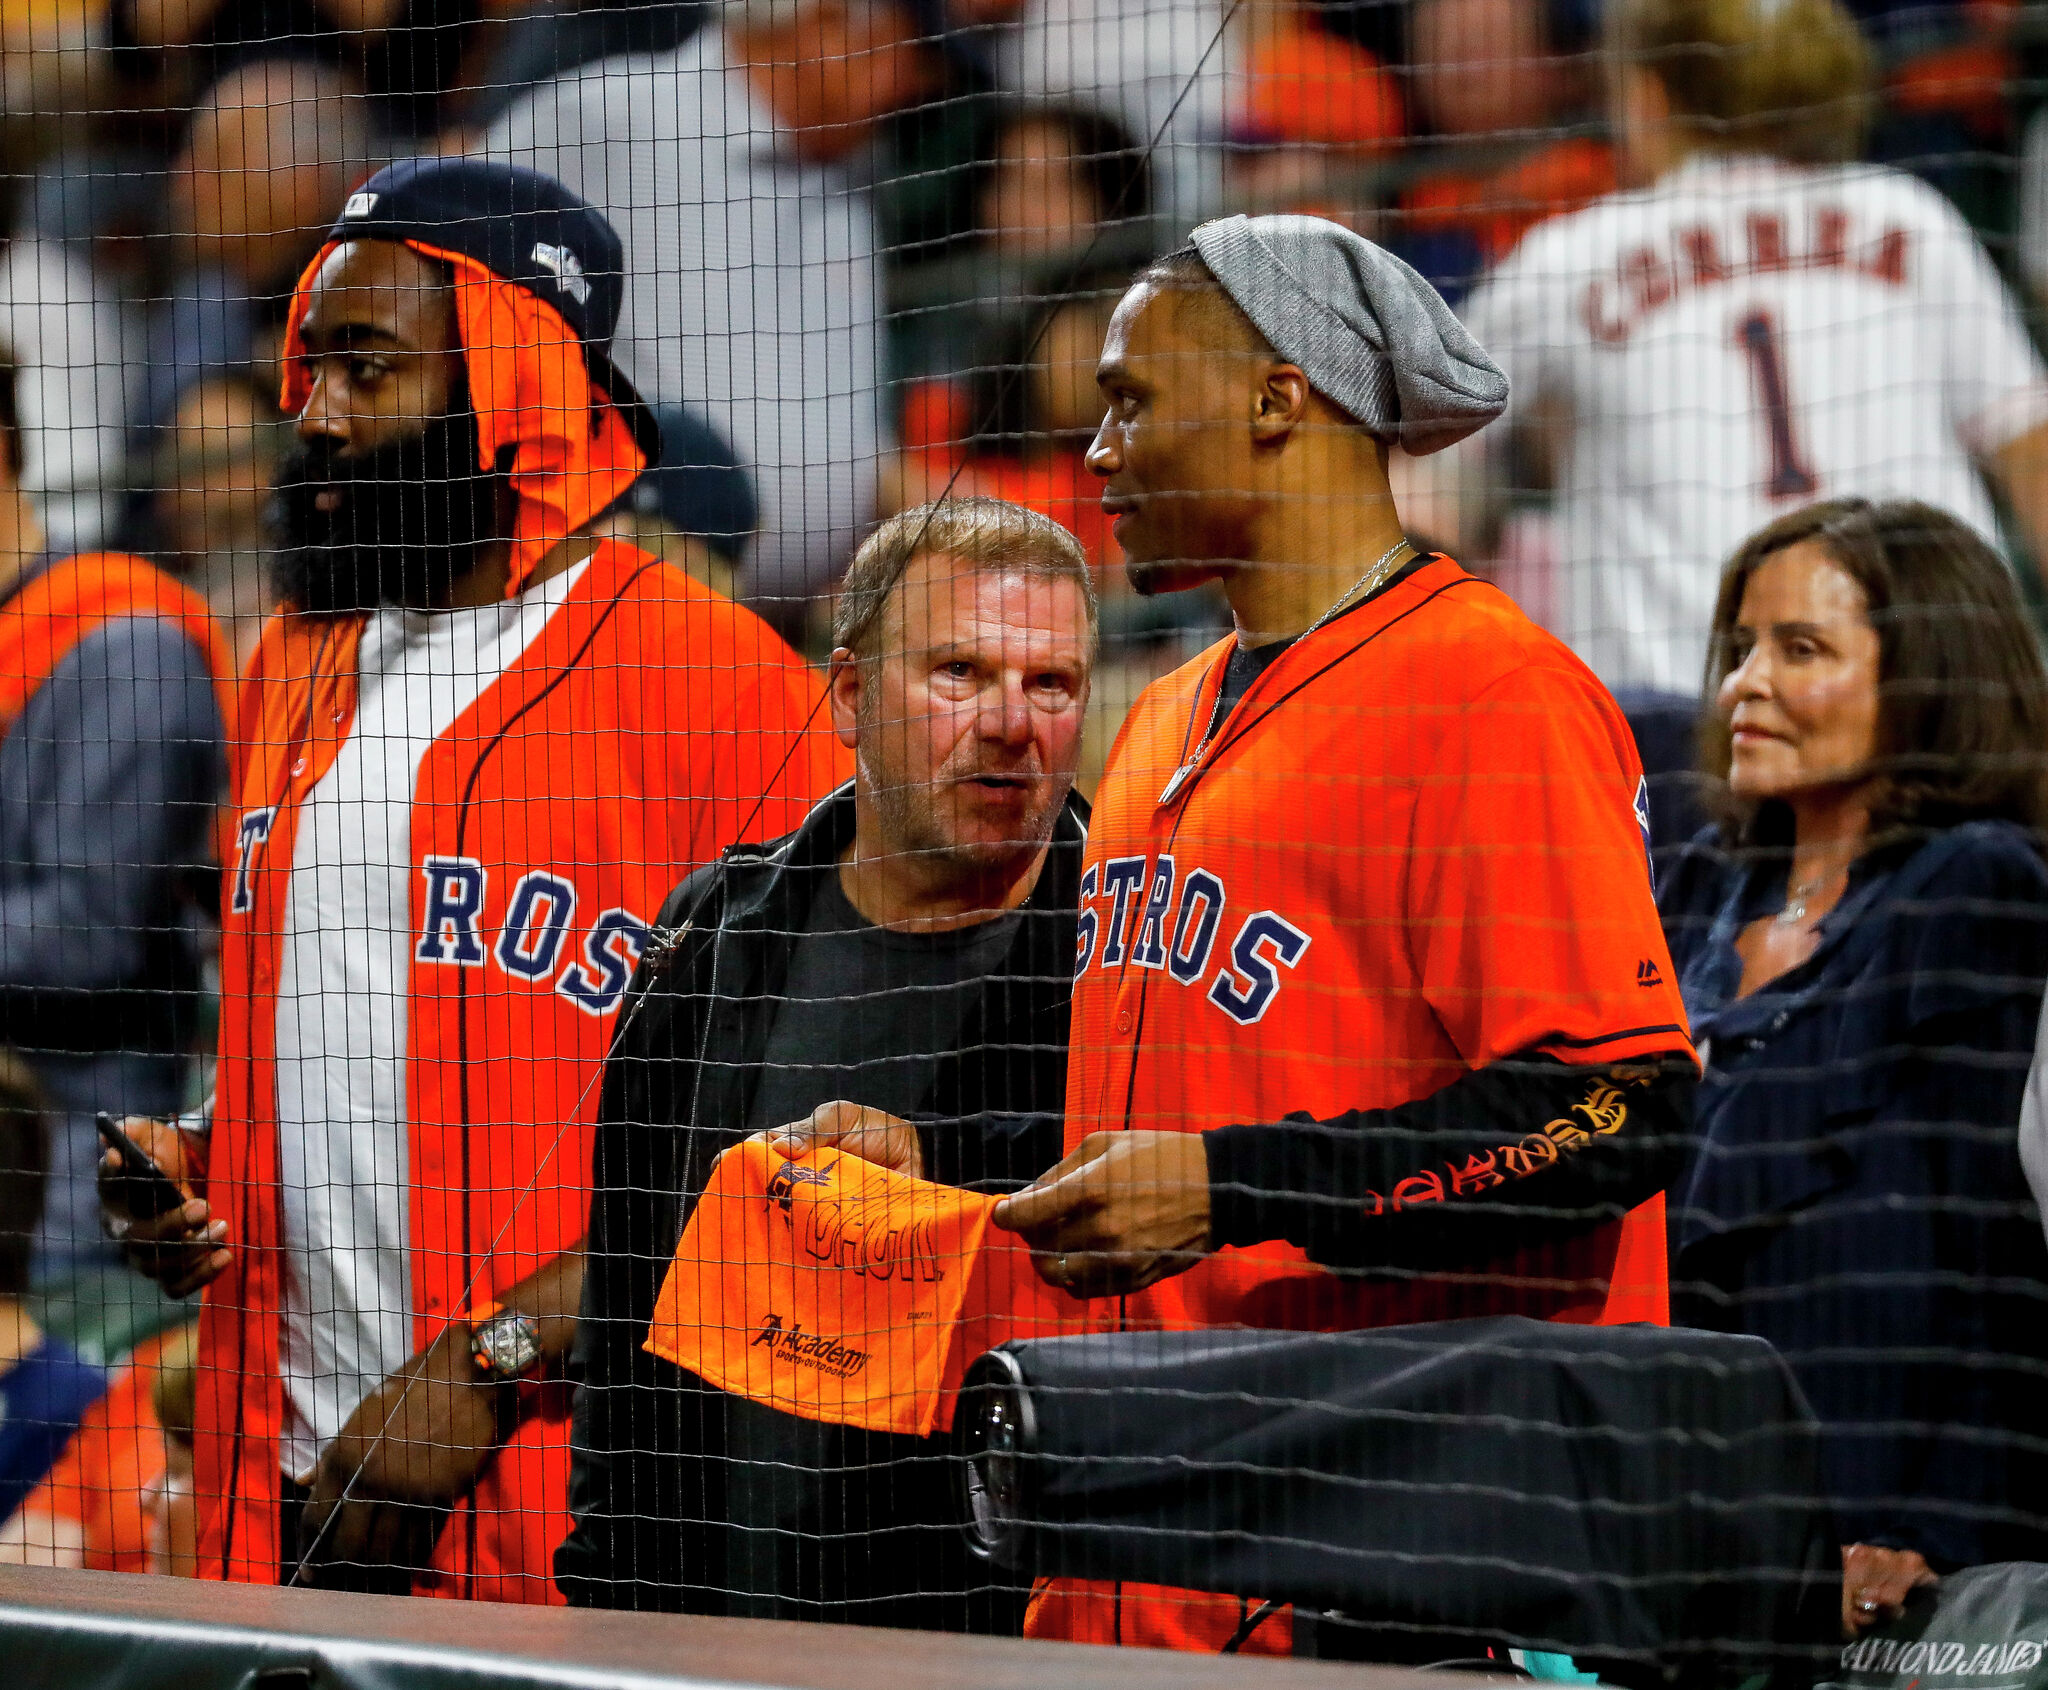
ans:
x=1856 y=1195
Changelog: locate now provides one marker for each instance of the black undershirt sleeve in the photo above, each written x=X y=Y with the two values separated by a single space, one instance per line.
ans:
x=1525 y=1150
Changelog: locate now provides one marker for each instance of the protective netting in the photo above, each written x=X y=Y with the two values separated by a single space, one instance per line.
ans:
x=1210 y=823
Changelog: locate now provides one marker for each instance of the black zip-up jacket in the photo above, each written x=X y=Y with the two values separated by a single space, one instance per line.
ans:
x=654 y=1447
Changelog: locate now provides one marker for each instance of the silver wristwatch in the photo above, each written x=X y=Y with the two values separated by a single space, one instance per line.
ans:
x=507 y=1346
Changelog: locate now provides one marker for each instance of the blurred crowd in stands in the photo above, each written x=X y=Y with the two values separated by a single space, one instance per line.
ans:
x=920 y=210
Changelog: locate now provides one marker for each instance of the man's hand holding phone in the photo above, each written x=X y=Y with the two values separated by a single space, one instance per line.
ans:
x=181 y=1249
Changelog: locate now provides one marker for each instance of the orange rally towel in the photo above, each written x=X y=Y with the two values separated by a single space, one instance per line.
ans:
x=835 y=1290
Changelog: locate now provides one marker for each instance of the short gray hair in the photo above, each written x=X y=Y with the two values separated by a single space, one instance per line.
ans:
x=989 y=534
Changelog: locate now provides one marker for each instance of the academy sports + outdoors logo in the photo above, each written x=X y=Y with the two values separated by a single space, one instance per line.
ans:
x=809 y=1349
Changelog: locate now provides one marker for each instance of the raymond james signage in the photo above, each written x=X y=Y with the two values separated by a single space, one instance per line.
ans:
x=1986 y=1628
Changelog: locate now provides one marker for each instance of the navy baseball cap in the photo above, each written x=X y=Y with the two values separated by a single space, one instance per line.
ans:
x=525 y=228
x=700 y=487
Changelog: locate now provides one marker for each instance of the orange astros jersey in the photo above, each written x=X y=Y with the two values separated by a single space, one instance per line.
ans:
x=1416 y=846
x=646 y=725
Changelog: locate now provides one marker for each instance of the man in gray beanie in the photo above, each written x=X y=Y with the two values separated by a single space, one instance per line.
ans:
x=1370 y=977
x=1373 y=1020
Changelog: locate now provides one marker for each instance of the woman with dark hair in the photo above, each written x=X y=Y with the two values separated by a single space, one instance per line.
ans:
x=1053 y=174
x=1862 y=940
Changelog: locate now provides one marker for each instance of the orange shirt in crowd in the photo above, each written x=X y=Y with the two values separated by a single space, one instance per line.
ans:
x=92 y=1508
x=1495 y=209
x=1305 y=86
x=1054 y=483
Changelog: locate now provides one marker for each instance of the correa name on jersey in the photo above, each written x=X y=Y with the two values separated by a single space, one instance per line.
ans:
x=1162 y=917
x=1707 y=253
x=540 y=917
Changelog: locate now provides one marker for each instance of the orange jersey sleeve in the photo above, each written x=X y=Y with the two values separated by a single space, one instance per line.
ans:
x=1530 y=899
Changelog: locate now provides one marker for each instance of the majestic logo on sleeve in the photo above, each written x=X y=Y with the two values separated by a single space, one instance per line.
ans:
x=1161 y=918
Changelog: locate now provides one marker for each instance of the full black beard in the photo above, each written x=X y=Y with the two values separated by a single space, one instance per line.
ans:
x=411 y=519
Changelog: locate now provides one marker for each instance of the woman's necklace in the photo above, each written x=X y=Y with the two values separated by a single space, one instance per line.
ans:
x=1796 y=898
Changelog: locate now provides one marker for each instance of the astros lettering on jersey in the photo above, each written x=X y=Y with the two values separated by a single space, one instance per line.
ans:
x=647 y=725
x=1412 y=850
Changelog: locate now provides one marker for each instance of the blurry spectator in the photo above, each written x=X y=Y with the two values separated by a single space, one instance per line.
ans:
x=44 y=1384
x=1861 y=943
x=1491 y=77
x=1484 y=67
x=528 y=43
x=1018 y=428
x=205 y=490
x=1950 y=80
x=1055 y=175
x=1311 y=106
x=51 y=69
x=1758 y=325
x=752 y=272
x=694 y=509
x=407 y=52
x=113 y=700
x=72 y=285
x=274 y=146
x=1163 y=68
x=119 y=1499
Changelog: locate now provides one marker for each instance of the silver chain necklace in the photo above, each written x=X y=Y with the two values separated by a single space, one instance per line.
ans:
x=1369 y=583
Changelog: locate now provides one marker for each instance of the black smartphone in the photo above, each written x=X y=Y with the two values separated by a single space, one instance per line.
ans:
x=145 y=1188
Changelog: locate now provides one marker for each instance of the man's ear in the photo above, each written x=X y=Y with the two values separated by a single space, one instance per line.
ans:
x=842 y=687
x=1280 y=405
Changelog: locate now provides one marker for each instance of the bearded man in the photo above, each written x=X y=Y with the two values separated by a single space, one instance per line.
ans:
x=907 y=954
x=481 y=744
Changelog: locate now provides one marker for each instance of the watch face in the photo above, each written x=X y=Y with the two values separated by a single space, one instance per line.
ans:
x=507 y=1346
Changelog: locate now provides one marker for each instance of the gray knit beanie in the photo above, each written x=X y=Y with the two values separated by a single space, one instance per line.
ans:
x=1369 y=333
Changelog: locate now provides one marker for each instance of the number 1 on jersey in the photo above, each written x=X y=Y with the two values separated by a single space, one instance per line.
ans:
x=1756 y=336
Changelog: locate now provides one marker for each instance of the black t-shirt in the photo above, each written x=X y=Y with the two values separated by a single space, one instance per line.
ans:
x=866 y=1011
x=830 y=1522
x=1247 y=664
